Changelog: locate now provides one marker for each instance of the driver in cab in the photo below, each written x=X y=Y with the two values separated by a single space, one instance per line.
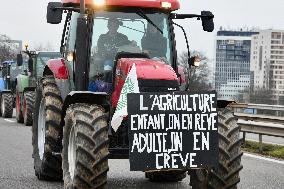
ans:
x=108 y=43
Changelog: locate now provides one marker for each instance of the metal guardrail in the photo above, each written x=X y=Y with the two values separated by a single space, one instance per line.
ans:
x=260 y=124
x=263 y=129
x=260 y=118
x=266 y=107
x=258 y=106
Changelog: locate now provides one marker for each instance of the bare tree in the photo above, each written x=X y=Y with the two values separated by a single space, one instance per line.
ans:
x=199 y=77
x=262 y=96
x=8 y=50
x=243 y=96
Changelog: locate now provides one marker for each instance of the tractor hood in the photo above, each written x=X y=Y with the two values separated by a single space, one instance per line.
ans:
x=146 y=69
x=152 y=75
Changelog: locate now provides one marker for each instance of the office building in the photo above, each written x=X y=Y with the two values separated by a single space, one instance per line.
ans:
x=232 y=68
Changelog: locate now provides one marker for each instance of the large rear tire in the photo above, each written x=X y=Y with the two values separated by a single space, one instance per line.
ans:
x=29 y=97
x=166 y=176
x=7 y=105
x=19 y=114
x=226 y=174
x=46 y=131
x=85 y=147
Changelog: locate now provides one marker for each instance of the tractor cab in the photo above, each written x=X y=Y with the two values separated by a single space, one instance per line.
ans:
x=8 y=73
x=33 y=62
x=115 y=34
x=126 y=33
x=102 y=38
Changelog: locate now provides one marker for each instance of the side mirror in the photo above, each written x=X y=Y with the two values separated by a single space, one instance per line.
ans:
x=54 y=13
x=30 y=65
x=19 y=59
x=207 y=21
x=194 y=61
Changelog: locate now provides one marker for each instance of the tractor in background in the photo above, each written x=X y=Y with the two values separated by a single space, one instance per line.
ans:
x=31 y=64
x=8 y=73
x=77 y=96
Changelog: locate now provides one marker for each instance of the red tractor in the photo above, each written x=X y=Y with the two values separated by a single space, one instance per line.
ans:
x=78 y=95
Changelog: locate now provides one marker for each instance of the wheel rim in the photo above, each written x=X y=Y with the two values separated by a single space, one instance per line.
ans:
x=72 y=153
x=41 y=128
x=25 y=106
x=18 y=104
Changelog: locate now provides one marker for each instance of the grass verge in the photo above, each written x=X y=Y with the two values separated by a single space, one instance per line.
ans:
x=271 y=150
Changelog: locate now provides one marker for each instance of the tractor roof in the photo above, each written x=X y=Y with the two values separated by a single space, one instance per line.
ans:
x=8 y=62
x=41 y=52
x=159 y=4
x=47 y=52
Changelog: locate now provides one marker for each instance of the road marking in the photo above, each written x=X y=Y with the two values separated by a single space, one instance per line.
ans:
x=8 y=120
x=264 y=158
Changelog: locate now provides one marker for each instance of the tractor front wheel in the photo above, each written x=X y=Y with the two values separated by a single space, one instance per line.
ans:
x=29 y=97
x=46 y=131
x=226 y=174
x=85 y=147
x=7 y=105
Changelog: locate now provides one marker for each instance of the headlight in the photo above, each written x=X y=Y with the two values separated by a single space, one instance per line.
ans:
x=99 y=2
x=166 y=5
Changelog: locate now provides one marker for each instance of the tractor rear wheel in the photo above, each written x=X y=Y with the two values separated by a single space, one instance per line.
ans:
x=29 y=97
x=166 y=176
x=46 y=131
x=226 y=174
x=7 y=105
x=85 y=147
x=19 y=114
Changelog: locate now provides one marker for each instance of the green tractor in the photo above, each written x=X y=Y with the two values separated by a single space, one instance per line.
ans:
x=32 y=64
x=8 y=73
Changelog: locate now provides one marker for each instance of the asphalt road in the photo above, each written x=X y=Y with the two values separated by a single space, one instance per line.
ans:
x=16 y=167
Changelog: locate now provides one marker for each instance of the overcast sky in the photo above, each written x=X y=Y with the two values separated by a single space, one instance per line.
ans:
x=25 y=20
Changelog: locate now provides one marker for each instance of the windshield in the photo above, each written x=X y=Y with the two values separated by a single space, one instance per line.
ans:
x=42 y=59
x=115 y=32
x=24 y=66
x=14 y=71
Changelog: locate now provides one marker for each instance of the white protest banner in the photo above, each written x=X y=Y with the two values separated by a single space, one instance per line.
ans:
x=130 y=86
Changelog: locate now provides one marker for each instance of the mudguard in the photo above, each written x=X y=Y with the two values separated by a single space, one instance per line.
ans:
x=99 y=98
x=57 y=67
x=29 y=89
x=59 y=70
x=224 y=103
x=6 y=91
